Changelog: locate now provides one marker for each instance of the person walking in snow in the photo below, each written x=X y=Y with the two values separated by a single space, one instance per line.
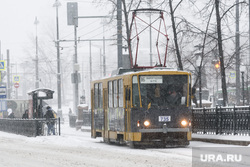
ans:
x=25 y=115
x=10 y=113
x=50 y=120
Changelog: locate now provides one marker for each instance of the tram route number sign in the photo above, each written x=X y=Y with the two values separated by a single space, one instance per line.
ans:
x=164 y=118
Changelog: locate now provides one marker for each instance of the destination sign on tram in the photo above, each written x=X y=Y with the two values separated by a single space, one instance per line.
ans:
x=151 y=79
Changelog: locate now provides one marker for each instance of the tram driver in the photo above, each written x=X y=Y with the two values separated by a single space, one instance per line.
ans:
x=173 y=97
x=155 y=96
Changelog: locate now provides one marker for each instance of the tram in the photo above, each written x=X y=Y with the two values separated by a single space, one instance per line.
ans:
x=143 y=107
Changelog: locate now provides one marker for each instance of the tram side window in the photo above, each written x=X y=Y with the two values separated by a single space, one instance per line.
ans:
x=135 y=92
x=115 y=93
x=110 y=92
x=98 y=102
x=96 y=95
x=120 y=88
x=100 y=94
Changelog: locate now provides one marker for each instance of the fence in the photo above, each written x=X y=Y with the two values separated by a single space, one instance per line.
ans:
x=221 y=120
x=28 y=127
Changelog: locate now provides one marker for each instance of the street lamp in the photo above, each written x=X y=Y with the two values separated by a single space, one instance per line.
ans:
x=59 y=111
x=36 y=60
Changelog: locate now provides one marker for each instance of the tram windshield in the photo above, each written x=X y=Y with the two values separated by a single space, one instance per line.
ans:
x=160 y=90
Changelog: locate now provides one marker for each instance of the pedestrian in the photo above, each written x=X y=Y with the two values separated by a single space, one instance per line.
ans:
x=25 y=115
x=70 y=111
x=50 y=120
x=10 y=113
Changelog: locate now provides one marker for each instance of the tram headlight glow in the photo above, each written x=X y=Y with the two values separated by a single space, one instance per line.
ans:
x=184 y=123
x=146 y=123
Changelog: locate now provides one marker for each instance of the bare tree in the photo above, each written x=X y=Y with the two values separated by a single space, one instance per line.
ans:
x=172 y=11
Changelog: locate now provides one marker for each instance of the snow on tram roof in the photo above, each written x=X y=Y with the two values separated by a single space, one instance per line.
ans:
x=122 y=71
x=126 y=71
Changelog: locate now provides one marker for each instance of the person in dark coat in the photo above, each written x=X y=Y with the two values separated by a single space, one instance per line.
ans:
x=49 y=119
x=11 y=115
x=25 y=115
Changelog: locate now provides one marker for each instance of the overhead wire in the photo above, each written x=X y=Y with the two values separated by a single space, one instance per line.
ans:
x=79 y=29
x=91 y=31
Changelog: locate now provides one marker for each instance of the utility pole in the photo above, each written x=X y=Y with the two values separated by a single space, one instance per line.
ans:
x=248 y=67
x=243 y=96
x=104 y=58
x=76 y=68
x=150 y=36
x=119 y=33
x=36 y=60
x=199 y=66
x=72 y=18
x=72 y=12
x=237 y=53
x=8 y=75
x=59 y=95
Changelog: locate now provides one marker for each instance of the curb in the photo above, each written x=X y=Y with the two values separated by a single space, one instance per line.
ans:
x=219 y=141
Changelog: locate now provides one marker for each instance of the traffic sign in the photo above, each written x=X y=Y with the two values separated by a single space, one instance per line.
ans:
x=16 y=85
x=2 y=65
x=16 y=78
x=232 y=74
x=3 y=92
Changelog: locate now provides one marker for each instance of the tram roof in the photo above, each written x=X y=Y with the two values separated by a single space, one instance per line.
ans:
x=121 y=71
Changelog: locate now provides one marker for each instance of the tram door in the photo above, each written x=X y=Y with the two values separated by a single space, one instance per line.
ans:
x=105 y=110
x=127 y=108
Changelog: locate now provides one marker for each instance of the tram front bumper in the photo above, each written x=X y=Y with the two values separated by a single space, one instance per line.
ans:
x=165 y=130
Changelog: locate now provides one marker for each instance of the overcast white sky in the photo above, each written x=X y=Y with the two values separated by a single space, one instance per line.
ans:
x=17 y=21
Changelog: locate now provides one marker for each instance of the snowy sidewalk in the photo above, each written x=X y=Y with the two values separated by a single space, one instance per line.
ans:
x=222 y=139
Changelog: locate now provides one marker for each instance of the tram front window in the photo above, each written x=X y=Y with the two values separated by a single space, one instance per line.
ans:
x=161 y=91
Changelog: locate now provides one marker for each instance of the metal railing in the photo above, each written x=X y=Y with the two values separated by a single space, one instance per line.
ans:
x=28 y=127
x=221 y=120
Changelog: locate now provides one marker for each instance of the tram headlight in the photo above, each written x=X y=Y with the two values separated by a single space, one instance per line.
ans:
x=184 y=123
x=146 y=123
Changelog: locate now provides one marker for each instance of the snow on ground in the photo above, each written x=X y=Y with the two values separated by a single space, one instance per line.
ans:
x=77 y=149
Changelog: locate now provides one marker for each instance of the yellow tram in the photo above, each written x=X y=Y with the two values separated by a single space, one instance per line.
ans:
x=143 y=107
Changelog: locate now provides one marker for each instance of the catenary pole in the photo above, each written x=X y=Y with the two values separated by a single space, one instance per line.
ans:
x=237 y=50
x=119 y=33
x=59 y=96
x=36 y=60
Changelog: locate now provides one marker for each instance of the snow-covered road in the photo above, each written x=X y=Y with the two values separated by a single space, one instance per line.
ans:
x=77 y=149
